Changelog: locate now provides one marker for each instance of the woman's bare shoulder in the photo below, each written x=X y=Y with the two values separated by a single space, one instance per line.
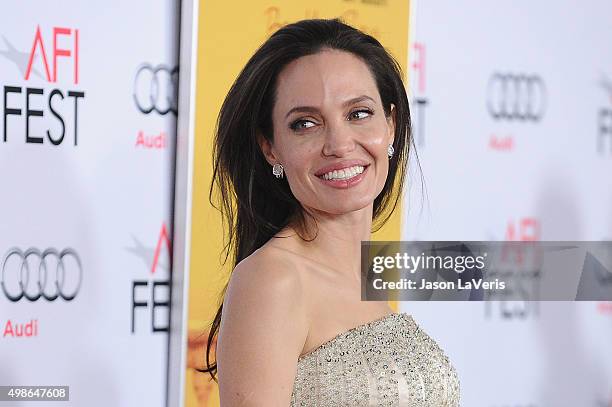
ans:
x=270 y=264
x=269 y=279
x=263 y=329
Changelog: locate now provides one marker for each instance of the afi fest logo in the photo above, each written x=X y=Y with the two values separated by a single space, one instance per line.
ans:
x=420 y=100
x=151 y=296
x=526 y=284
x=604 y=121
x=47 y=113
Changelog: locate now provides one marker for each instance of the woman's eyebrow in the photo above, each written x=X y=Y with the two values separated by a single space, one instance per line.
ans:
x=302 y=109
x=312 y=109
x=357 y=100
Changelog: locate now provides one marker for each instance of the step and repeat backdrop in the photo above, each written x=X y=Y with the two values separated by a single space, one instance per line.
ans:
x=512 y=111
x=86 y=172
x=512 y=120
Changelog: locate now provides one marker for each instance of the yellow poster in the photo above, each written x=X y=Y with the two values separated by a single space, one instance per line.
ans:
x=229 y=33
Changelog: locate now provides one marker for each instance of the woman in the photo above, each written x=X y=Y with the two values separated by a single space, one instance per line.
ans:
x=310 y=153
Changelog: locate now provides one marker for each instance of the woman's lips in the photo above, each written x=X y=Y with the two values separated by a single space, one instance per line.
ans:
x=341 y=165
x=345 y=183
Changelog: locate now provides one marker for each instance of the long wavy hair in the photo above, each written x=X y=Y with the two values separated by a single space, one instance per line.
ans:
x=256 y=205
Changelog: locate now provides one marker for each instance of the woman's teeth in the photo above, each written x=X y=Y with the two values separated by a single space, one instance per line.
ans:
x=345 y=173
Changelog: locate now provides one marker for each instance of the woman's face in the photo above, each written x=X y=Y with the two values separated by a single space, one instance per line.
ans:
x=330 y=132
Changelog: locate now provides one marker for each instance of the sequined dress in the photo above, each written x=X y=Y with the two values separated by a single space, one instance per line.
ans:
x=386 y=362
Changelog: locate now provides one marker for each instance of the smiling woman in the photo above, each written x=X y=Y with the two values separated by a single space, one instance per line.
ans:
x=310 y=156
x=333 y=132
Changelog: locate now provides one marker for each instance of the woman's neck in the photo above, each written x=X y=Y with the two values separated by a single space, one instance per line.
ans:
x=337 y=239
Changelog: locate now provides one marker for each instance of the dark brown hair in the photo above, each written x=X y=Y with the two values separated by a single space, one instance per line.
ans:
x=256 y=205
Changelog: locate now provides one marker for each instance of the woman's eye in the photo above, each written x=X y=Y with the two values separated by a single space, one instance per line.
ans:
x=360 y=114
x=301 y=125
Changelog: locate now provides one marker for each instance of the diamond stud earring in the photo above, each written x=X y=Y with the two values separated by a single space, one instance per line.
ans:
x=277 y=170
x=390 y=150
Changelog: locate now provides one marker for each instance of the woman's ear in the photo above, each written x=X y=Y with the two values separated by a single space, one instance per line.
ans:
x=391 y=123
x=266 y=148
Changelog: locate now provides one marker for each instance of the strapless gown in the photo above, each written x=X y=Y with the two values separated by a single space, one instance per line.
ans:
x=386 y=362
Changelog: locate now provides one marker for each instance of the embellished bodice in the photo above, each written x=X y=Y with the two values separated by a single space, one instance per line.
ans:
x=386 y=362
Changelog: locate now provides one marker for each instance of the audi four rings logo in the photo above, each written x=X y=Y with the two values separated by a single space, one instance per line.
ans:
x=156 y=89
x=516 y=97
x=34 y=274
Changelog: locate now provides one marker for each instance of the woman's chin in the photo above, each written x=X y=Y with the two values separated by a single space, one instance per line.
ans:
x=341 y=208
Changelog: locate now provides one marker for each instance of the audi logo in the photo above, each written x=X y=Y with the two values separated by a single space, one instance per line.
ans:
x=34 y=274
x=516 y=97
x=156 y=89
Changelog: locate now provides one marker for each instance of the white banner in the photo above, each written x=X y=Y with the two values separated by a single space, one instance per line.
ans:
x=87 y=158
x=512 y=109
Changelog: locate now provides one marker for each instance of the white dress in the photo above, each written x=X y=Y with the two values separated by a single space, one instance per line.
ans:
x=386 y=362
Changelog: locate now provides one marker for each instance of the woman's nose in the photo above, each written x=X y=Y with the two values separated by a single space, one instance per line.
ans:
x=339 y=141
